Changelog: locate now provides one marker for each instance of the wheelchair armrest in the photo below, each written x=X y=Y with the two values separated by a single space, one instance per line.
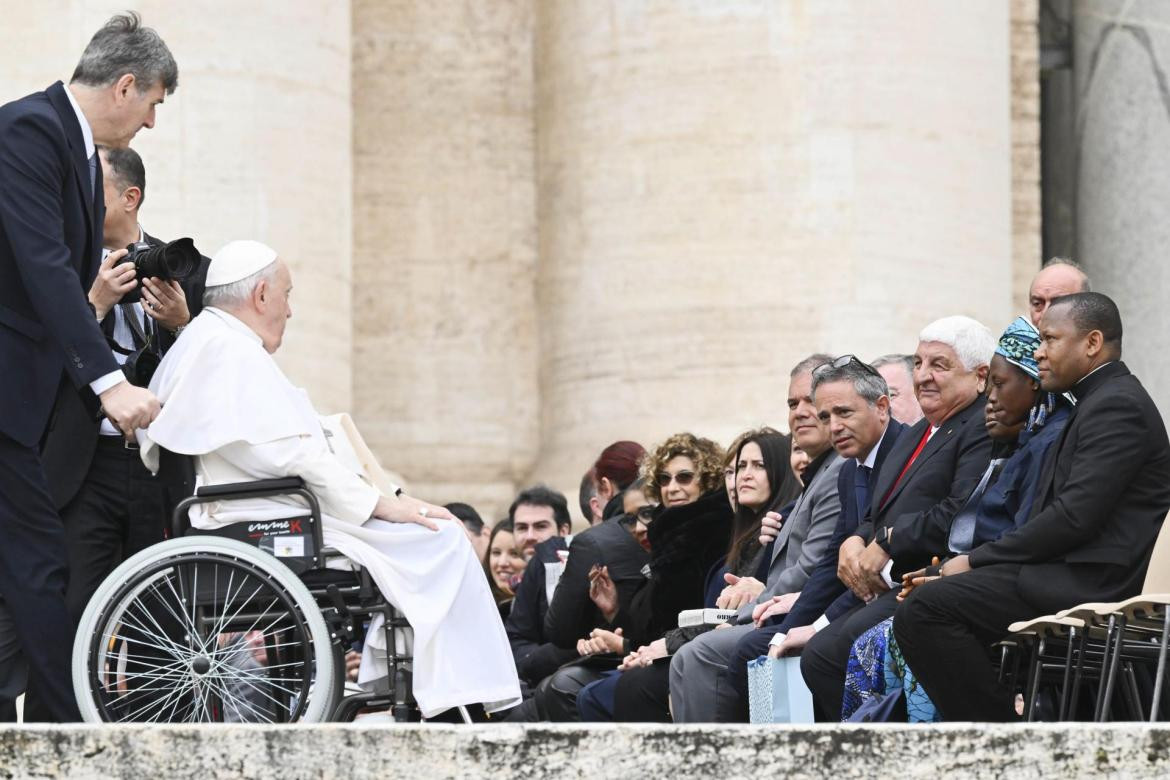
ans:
x=247 y=489
x=262 y=488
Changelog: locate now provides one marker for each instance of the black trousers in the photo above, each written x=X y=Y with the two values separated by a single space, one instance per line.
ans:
x=643 y=694
x=33 y=578
x=119 y=510
x=825 y=657
x=946 y=629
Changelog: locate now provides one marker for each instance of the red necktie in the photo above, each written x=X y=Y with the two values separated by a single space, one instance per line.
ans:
x=909 y=463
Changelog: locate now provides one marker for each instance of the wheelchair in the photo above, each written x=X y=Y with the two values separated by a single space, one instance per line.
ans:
x=243 y=624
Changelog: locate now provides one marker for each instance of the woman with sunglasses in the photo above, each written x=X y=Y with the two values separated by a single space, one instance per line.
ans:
x=763 y=482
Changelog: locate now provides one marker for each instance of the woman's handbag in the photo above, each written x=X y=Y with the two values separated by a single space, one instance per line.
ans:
x=776 y=691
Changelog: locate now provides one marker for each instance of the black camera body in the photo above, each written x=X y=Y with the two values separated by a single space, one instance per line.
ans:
x=176 y=260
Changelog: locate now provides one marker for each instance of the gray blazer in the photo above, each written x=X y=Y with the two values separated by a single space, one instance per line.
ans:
x=804 y=537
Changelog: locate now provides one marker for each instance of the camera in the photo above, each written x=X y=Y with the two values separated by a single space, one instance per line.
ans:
x=176 y=260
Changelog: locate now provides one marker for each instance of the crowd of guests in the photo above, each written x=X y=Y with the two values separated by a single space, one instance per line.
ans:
x=920 y=504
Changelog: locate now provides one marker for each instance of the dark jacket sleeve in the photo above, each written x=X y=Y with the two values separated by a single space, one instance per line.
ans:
x=570 y=612
x=1111 y=442
x=31 y=211
x=918 y=535
x=524 y=625
x=822 y=586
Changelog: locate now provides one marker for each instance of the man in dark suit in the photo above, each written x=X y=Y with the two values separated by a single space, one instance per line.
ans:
x=112 y=506
x=930 y=473
x=1102 y=497
x=852 y=401
x=50 y=243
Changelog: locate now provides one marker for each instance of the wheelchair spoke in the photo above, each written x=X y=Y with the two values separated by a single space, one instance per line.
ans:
x=234 y=701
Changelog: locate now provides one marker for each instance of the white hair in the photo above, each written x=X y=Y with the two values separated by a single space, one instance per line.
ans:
x=973 y=343
x=229 y=296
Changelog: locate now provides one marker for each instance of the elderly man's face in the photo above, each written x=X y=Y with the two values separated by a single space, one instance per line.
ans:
x=1052 y=282
x=942 y=383
x=903 y=405
x=272 y=304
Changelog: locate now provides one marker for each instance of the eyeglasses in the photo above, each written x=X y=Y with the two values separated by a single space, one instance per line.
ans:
x=646 y=513
x=683 y=478
x=846 y=360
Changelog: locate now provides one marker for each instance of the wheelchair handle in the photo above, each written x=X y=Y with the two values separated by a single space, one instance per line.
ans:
x=237 y=491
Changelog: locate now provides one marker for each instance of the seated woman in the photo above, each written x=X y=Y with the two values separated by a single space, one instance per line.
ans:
x=504 y=566
x=641 y=692
x=685 y=535
x=1023 y=422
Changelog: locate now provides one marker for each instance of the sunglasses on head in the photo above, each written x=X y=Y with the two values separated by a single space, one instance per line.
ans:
x=846 y=360
x=683 y=478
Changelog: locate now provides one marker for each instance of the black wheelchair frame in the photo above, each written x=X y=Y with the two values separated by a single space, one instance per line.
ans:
x=346 y=598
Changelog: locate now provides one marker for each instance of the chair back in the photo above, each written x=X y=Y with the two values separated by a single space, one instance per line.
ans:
x=1158 y=574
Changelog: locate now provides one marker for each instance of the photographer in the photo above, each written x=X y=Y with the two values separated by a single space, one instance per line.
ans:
x=111 y=505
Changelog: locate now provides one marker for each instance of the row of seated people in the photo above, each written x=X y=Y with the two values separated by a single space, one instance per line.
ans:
x=1037 y=479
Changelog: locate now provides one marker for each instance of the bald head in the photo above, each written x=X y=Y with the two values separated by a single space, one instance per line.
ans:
x=1057 y=278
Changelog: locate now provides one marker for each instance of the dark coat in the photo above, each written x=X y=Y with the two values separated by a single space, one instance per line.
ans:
x=50 y=249
x=535 y=657
x=685 y=542
x=922 y=505
x=71 y=438
x=1103 y=495
x=823 y=593
x=572 y=614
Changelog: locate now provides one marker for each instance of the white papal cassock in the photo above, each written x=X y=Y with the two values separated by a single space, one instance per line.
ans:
x=225 y=401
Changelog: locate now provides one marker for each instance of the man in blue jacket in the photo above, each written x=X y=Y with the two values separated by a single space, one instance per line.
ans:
x=51 y=213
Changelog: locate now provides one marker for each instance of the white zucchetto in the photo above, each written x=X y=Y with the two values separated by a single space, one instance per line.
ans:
x=238 y=260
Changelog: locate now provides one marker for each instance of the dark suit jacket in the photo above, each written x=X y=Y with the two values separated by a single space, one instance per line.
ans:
x=921 y=507
x=1103 y=494
x=535 y=658
x=50 y=247
x=572 y=614
x=823 y=593
x=71 y=438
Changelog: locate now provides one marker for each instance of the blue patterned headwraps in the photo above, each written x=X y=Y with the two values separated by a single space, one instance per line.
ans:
x=1018 y=346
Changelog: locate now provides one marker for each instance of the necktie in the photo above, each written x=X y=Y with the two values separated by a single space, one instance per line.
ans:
x=861 y=490
x=962 y=535
x=913 y=457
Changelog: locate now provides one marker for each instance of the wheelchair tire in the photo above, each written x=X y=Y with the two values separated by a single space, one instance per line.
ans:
x=150 y=646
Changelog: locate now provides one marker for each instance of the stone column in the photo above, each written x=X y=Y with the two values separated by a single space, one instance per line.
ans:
x=1121 y=57
x=726 y=187
x=255 y=143
x=444 y=233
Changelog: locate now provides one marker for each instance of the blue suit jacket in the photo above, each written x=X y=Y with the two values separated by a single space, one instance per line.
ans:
x=823 y=593
x=50 y=249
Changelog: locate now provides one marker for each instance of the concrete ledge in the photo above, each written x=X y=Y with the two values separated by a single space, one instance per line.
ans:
x=654 y=752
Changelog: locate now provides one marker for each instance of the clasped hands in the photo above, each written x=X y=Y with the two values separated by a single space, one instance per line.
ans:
x=916 y=579
x=740 y=592
x=859 y=567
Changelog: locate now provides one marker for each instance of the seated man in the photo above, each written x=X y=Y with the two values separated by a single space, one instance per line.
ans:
x=229 y=405
x=1102 y=497
x=927 y=477
x=546 y=514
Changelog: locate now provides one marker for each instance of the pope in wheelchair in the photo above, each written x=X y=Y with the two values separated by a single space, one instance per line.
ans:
x=206 y=628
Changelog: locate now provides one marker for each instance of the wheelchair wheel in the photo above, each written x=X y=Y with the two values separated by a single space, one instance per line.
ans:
x=203 y=629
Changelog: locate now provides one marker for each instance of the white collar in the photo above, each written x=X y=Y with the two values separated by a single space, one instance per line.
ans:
x=86 y=131
x=235 y=323
x=871 y=458
x=1095 y=370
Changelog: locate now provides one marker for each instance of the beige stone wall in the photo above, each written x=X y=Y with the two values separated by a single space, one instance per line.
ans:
x=1026 y=214
x=725 y=187
x=255 y=143
x=444 y=244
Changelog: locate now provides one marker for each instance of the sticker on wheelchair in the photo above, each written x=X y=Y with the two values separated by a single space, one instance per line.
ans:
x=290 y=540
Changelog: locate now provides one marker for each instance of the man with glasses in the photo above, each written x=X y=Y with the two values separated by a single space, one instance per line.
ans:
x=852 y=400
x=929 y=475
